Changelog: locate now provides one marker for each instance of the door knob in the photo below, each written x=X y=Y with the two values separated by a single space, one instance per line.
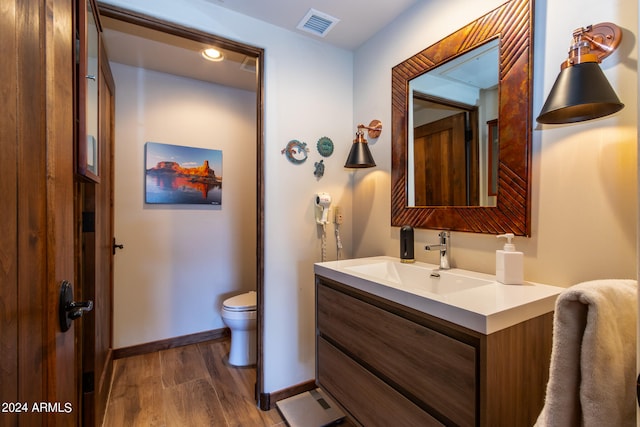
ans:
x=116 y=246
x=68 y=309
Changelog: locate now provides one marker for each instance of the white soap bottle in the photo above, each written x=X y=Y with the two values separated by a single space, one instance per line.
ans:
x=509 y=263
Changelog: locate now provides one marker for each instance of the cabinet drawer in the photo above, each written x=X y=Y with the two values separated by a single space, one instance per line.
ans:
x=431 y=367
x=370 y=400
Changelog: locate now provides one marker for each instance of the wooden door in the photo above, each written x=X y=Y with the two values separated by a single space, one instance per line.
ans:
x=38 y=362
x=96 y=265
x=446 y=161
x=440 y=166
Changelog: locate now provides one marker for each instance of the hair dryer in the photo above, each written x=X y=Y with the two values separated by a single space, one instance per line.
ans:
x=323 y=201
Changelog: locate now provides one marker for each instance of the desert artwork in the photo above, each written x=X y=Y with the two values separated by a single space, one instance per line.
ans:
x=176 y=174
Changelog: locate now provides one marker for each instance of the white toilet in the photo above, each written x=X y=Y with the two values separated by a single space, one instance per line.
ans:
x=239 y=314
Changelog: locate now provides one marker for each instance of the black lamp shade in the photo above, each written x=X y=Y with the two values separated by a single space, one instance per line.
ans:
x=581 y=92
x=360 y=156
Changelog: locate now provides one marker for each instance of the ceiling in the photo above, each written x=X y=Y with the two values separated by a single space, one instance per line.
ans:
x=141 y=47
x=359 y=19
x=153 y=50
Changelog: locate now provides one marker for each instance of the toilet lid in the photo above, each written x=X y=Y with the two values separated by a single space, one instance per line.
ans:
x=242 y=302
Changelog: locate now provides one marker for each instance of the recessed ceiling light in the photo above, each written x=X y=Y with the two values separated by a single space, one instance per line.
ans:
x=212 y=54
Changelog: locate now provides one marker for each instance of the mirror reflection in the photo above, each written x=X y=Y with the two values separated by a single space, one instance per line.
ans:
x=92 y=93
x=453 y=144
x=501 y=180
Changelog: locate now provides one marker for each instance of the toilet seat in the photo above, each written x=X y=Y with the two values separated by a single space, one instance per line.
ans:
x=242 y=302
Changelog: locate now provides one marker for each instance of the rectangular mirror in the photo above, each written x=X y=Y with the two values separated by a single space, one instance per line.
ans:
x=461 y=128
x=446 y=143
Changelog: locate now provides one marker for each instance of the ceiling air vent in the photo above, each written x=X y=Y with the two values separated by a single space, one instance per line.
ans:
x=317 y=23
x=248 y=64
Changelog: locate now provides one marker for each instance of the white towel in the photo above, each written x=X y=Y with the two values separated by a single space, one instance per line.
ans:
x=593 y=360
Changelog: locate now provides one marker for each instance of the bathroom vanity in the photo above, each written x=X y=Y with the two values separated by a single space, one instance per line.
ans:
x=396 y=346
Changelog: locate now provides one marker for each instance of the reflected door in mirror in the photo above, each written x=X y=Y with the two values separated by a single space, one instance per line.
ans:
x=493 y=151
x=441 y=177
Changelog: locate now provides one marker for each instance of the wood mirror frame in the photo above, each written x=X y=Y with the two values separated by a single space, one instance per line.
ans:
x=512 y=24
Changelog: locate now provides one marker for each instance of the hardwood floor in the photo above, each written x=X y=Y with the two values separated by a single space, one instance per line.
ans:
x=185 y=386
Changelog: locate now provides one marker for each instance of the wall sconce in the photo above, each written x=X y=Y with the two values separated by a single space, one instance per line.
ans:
x=360 y=155
x=581 y=91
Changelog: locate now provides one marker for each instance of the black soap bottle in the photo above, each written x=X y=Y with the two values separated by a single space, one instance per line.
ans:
x=406 y=244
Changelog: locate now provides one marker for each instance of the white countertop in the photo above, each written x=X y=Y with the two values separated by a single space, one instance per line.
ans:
x=486 y=309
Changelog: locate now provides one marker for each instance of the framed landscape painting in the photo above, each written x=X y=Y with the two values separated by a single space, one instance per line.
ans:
x=176 y=174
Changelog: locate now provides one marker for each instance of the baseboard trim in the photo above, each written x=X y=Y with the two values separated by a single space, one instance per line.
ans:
x=268 y=400
x=168 y=343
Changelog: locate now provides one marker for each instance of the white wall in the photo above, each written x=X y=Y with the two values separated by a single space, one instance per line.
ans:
x=584 y=192
x=584 y=176
x=180 y=261
x=308 y=94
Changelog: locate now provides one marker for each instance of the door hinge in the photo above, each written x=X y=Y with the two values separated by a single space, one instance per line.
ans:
x=88 y=222
x=88 y=385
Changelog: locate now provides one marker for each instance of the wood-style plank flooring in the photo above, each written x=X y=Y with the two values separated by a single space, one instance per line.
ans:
x=185 y=386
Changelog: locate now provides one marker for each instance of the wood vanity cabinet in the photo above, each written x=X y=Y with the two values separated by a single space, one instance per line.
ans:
x=387 y=364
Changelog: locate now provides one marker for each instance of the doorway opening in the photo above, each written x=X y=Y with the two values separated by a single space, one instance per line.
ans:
x=168 y=41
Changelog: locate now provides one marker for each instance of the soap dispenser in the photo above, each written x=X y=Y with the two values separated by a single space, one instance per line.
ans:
x=509 y=263
x=406 y=244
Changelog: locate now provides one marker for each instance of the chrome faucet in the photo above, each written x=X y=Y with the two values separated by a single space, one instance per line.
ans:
x=444 y=248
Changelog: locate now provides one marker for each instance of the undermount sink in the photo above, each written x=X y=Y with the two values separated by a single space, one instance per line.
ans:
x=417 y=277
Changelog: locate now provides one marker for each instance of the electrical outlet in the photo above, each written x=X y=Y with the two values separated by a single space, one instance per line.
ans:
x=338 y=215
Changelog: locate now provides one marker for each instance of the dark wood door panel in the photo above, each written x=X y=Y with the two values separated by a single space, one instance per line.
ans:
x=38 y=362
x=96 y=206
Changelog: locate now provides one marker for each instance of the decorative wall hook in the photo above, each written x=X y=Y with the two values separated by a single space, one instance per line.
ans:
x=296 y=151
x=319 y=169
